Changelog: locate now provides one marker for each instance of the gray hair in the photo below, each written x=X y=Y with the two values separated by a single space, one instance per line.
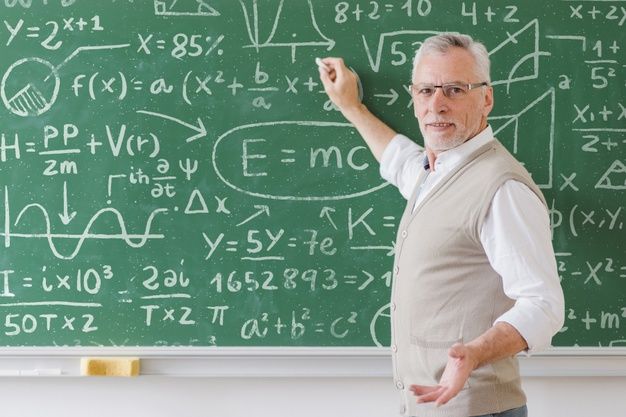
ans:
x=444 y=41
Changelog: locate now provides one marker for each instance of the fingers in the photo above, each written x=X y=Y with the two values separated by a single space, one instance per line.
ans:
x=422 y=389
x=334 y=63
x=445 y=396
x=325 y=77
x=334 y=67
x=438 y=394
x=426 y=394
x=328 y=77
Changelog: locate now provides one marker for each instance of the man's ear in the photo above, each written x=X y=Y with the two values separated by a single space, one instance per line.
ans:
x=488 y=101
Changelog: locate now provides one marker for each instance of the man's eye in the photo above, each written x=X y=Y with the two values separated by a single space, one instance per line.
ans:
x=427 y=91
x=455 y=91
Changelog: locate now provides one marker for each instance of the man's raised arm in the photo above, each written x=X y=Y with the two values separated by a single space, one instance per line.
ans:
x=340 y=83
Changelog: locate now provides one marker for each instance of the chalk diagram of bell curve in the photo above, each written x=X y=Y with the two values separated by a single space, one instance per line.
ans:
x=308 y=33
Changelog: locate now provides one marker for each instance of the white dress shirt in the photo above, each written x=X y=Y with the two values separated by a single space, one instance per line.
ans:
x=516 y=236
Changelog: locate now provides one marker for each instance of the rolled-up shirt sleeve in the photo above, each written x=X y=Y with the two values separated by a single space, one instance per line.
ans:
x=400 y=163
x=517 y=239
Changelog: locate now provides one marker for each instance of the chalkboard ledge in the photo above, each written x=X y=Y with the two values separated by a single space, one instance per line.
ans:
x=262 y=362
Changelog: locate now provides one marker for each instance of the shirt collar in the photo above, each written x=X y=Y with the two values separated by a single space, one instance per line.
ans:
x=453 y=157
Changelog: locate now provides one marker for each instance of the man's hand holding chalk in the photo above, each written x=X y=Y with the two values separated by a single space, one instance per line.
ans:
x=340 y=81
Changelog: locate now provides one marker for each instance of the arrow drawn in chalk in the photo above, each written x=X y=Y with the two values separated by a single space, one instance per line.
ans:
x=66 y=217
x=393 y=96
x=198 y=128
x=391 y=250
x=326 y=212
x=261 y=209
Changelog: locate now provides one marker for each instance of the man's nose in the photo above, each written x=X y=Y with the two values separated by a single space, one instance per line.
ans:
x=439 y=101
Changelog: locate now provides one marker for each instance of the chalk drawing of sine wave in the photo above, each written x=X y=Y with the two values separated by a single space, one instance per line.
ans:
x=141 y=239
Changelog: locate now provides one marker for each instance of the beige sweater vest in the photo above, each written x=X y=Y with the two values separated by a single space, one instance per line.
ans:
x=445 y=291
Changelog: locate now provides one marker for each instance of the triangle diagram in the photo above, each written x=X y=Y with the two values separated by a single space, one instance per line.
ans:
x=614 y=178
x=184 y=8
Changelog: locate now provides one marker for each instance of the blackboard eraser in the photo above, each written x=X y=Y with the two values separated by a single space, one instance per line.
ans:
x=114 y=366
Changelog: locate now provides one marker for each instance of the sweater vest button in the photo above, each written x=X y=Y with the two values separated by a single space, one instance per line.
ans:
x=404 y=234
x=394 y=348
x=393 y=306
x=396 y=270
x=399 y=385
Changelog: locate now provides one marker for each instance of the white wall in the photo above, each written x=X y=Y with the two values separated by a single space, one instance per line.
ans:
x=275 y=397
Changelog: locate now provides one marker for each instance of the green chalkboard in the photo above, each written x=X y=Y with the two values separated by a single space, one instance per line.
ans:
x=172 y=173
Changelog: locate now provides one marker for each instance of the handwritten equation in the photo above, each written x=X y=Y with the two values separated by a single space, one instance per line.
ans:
x=186 y=181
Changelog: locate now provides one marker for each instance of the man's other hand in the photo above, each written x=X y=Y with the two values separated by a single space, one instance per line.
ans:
x=458 y=369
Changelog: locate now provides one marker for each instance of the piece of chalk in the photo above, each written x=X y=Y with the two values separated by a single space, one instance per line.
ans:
x=113 y=366
x=321 y=64
x=41 y=372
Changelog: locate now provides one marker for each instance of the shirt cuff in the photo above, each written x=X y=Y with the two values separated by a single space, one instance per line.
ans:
x=533 y=322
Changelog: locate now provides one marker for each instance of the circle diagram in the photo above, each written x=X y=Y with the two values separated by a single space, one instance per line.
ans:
x=30 y=87
x=380 y=326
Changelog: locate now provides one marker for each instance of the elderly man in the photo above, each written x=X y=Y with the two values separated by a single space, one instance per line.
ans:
x=475 y=279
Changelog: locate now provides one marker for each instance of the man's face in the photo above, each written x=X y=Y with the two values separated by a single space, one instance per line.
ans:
x=446 y=122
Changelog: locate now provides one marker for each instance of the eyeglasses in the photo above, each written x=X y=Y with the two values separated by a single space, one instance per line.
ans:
x=450 y=90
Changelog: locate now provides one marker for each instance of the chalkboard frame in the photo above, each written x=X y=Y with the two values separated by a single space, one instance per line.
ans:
x=546 y=87
x=292 y=362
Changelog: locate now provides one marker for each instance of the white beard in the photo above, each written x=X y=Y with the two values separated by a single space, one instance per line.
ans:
x=438 y=145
